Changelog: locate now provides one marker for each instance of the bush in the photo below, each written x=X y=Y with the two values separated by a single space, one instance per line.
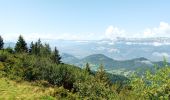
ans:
x=3 y=56
x=62 y=93
x=96 y=87
x=152 y=85
x=61 y=75
x=9 y=49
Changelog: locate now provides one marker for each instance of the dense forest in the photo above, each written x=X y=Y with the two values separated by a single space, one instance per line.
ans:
x=38 y=69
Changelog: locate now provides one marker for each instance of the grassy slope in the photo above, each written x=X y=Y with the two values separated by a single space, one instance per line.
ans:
x=10 y=90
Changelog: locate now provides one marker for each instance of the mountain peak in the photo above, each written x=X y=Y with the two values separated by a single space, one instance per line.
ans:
x=140 y=59
x=97 y=56
x=65 y=55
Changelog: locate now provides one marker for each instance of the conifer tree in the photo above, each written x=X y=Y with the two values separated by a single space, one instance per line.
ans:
x=1 y=43
x=31 y=49
x=101 y=75
x=46 y=50
x=35 y=48
x=38 y=47
x=87 y=68
x=21 y=45
x=56 y=58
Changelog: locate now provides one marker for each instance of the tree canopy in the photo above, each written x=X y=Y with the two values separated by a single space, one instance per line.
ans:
x=1 y=43
x=21 y=45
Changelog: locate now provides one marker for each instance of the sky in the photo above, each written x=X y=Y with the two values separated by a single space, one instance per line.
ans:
x=84 y=19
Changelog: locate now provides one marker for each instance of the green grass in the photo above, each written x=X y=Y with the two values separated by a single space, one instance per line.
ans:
x=11 y=90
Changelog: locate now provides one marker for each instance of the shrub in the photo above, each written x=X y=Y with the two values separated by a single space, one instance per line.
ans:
x=61 y=75
x=152 y=85
x=3 y=56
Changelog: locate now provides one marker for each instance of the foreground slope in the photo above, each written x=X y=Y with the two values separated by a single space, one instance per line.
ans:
x=11 y=90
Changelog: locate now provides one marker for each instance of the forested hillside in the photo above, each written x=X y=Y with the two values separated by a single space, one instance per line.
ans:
x=36 y=72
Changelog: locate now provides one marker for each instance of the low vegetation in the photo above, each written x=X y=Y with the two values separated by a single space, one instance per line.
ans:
x=36 y=72
x=11 y=90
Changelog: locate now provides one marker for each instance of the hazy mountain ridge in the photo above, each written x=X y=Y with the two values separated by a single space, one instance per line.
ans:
x=110 y=64
x=69 y=59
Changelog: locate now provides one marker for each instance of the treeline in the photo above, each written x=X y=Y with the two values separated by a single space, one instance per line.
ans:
x=39 y=63
x=36 y=48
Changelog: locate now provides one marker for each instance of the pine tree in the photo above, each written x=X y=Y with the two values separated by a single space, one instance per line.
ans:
x=21 y=45
x=87 y=68
x=31 y=49
x=46 y=50
x=35 y=48
x=38 y=47
x=1 y=43
x=56 y=58
x=101 y=75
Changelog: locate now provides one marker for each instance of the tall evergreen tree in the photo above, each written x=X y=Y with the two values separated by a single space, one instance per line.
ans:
x=56 y=58
x=1 y=43
x=31 y=49
x=38 y=47
x=101 y=75
x=45 y=50
x=21 y=45
x=35 y=47
x=36 y=50
x=87 y=68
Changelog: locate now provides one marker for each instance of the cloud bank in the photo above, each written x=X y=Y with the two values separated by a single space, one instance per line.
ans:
x=163 y=30
x=114 y=32
x=160 y=54
x=111 y=32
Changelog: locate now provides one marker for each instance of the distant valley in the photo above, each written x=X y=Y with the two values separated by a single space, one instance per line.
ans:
x=124 y=67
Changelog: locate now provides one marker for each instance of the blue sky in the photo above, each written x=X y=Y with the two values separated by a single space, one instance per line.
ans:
x=84 y=19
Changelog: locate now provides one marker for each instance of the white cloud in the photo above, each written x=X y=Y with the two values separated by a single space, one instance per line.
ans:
x=111 y=32
x=114 y=32
x=146 y=62
x=10 y=37
x=161 y=54
x=162 y=31
x=101 y=48
x=112 y=50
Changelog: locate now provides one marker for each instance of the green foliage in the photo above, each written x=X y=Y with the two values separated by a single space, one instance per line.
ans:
x=1 y=43
x=21 y=45
x=43 y=66
x=101 y=75
x=47 y=98
x=87 y=68
x=3 y=56
x=94 y=87
x=31 y=68
x=55 y=56
x=11 y=90
x=63 y=94
x=152 y=85
x=40 y=49
x=45 y=50
x=60 y=75
x=9 y=49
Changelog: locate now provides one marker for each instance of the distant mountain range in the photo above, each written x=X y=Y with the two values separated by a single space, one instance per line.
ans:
x=110 y=64
x=153 y=49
